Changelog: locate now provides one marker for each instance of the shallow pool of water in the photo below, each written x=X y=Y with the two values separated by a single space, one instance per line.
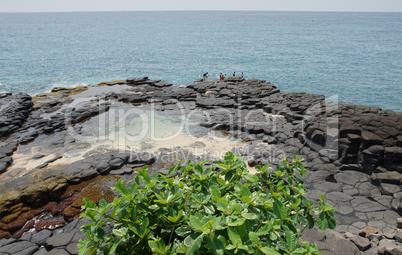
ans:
x=124 y=128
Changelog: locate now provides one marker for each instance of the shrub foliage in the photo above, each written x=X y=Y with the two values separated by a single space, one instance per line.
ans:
x=221 y=209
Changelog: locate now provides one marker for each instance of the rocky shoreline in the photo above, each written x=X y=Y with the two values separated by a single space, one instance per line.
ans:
x=354 y=153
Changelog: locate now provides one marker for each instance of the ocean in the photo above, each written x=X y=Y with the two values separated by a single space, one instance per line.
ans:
x=355 y=57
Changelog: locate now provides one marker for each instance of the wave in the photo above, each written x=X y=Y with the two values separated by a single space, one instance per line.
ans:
x=5 y=88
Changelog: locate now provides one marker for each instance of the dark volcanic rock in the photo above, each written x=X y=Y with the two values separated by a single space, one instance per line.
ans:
x=354 y=152
x=14 y=110
x=136 y=80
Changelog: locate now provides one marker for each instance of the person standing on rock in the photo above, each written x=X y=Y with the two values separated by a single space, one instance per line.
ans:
x=242 y=75
x=234 y=73
x=204 y=76
x=221 y=77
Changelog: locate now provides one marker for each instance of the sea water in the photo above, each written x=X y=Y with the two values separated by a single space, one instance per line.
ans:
x=354 y=57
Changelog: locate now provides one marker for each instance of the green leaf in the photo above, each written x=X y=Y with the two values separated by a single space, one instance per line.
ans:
x=246 y=200
x=265 y=229
x=242 y=230
x=322 y=221
x=252 y=178
x=102 y=203
x=234 y=236
x=221 y=181
x=215 y=191
x=254 y=238
x=157 y=246
x=183 y=231
x=269 y=251
x=134 y=213
x=114 y=246
x=221 y=206
x=245 y=191
x=331 y=221
x=133 y=189
x=229 y=156
x=250 y=216
x=144 y=174
x=121 y=188
x=203 y=211
x=140 y=229
x=279 y=210
x=234 y=207
x=230 y=247
x=238 y=222
x=195 y=223
x=120 y=232
x=82 y=247
x=198 y=171
x=176 y=218
x=216 y=246
x=291 y=240
x=193 y=243
x=209 y=209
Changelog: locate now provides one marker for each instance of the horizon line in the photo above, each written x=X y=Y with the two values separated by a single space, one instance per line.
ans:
x=86 y=11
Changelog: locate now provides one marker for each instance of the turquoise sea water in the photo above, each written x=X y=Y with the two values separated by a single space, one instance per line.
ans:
x=355 y=56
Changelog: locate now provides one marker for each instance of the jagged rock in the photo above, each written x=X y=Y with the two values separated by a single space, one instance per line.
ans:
x=361 y=204
x=136 y=80
x=72 y=248
x=392 y=177
x=369 y=141
x=398 y=236
x=14 y=110
x=389 y=189
x=390 y=250
x=59 y=240
x=4 y=242
x=362 y=243
x=41 y=236
x=23 y=247
x=330 y=242
x=399 y=223
x=368 y=230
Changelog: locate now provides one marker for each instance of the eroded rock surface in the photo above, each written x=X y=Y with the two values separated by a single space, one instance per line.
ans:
x=354 y=152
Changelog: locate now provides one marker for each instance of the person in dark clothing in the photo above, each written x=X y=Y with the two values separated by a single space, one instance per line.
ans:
x=204 y=76
x=234 y=73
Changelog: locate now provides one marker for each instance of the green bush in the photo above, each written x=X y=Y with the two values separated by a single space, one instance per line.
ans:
x=207 y=210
